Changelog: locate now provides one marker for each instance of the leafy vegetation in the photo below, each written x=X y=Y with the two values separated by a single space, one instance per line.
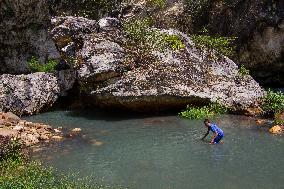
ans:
x=174 y=42
x=142 y=40
x=140 y=33
x=212 y=110
x=196 y=8
x=279 y=122
x=49 y=67
x=273 y=102
x=9 y=149
x=222 y=45
x=17 y=172
x=157 y=3
x=243 y=71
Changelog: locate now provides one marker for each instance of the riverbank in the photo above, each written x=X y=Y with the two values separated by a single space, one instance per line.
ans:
x=32 y=133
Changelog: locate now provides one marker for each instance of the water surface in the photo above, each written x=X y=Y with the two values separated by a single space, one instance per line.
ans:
x=163 y=152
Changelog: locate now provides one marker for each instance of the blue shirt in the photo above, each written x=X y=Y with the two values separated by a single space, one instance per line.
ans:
x=215 y=129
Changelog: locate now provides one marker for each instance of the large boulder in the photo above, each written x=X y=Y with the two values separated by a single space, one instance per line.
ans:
x=23 y=34
x=28 y=94
x=177 y=78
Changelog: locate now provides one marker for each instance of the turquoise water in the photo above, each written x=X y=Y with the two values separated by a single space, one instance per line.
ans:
x=165 y=152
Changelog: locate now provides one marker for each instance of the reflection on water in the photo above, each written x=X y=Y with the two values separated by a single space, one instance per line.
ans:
x=166 y=152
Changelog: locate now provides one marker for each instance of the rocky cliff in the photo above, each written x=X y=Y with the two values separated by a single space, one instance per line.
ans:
x=259 y=26
x=109 y=73
x=23 y=34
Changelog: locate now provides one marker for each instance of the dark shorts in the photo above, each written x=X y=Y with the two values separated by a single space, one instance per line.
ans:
x=218 y=138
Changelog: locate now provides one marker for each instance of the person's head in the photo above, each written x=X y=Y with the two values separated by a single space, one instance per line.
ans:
x=207 y=122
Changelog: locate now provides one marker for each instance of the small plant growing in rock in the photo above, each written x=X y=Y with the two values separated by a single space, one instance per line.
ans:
x=212 y=110
x=222 y=45
x=140 y=33
x=174 y=42
x=157 y=3
x=243 y=71
x=142 y=40
x=49 y=67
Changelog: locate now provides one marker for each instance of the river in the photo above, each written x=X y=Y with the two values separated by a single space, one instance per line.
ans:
x=165 y=152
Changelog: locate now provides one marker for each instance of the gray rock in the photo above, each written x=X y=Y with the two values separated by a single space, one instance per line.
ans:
x=28 y=94
x=103 y=59
x=176 y=79
x=67 y=29
x=108 y=24
x=23 y=34
x=66 y=80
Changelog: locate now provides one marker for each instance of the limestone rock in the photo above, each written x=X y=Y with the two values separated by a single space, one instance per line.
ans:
x=77 y=130
x=10 y=117
x=275 y=129
x=66 y=29
x=57 y=131
x=23 y=34
x=66 y=80
x=260 y=122
x=176 y=79
x=57 y=137
x=8 y=133
x=18 y=128
x=108 y=24
x=28 y=94
x=260 y=32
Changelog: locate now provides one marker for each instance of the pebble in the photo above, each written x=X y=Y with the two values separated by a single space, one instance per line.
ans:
x=77 y=130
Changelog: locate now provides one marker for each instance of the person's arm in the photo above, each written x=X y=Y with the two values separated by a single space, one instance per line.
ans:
x=215 y=135
x=206 y=134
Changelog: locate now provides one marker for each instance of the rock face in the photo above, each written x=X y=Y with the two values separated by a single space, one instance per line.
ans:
x=28 y=94
x=23 y=34
x=259 y=25
x=176 y=79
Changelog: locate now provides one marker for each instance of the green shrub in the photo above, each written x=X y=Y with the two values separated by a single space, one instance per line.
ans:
x=217 y=108
x=196 y=8
x=273 y=102
x=222 y=45
x=141 y=35
x=174 y=42
x=49 y=67
x=278 y=122
x=212 y=110
x=243 y=71
x=196 y=113
x=157 y=3
x=142 y=40
x=9 y=148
